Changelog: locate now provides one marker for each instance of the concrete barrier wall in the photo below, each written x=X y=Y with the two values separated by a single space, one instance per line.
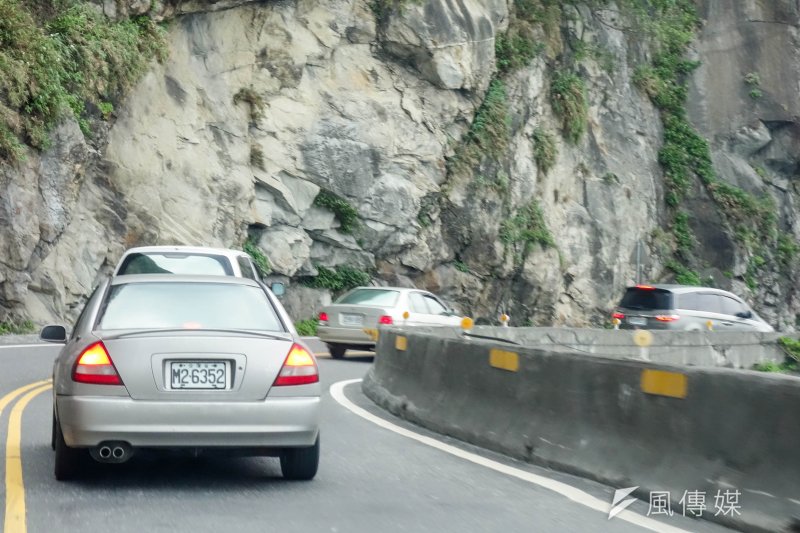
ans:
x=696 y=348
x=697 y=428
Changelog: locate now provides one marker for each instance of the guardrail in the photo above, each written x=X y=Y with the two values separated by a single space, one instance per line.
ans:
x=624 y=422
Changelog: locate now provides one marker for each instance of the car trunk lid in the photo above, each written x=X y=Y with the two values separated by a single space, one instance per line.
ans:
x=196 y=365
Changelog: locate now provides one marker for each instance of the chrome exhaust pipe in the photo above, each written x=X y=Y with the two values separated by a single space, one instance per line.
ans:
x=112 y=452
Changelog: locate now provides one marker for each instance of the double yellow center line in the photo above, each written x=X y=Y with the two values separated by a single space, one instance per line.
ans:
x=15 y=489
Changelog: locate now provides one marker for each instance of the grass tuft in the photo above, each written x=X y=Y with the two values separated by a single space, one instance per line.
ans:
x=260 y=260
x=17 y=328
x=545 y=150
x=54 y=65
x=344 y=212
x=341 y=278
x=568 y=98
x=307 y=327
x=528 y=227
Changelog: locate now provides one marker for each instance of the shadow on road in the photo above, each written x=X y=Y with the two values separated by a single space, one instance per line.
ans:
x=158 y=470
x=360 y=358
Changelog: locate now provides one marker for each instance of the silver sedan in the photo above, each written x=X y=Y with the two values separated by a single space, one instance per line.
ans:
x=347 y=322
x=195 y=363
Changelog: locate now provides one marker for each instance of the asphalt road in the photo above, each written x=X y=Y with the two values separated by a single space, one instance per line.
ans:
x=371 y=479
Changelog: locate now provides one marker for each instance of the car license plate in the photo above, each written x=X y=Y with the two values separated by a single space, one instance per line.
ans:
x=198 y=374
x=352 y=320
x=637 y=321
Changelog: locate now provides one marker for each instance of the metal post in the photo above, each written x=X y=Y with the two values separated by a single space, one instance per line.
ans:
x=639 y=261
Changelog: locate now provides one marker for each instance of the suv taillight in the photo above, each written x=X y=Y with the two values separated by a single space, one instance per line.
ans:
x=96 y=367
x=618 y=315
x=323 y=318
x=385 y=319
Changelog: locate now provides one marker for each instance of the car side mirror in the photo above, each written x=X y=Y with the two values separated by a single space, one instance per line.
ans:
x=278 y=289
x=745 y=314
x=53 y=334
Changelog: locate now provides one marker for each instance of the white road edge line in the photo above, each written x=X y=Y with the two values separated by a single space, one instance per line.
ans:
x=568 y=491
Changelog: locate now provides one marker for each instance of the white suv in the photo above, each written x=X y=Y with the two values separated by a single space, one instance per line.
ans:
x=187 y=260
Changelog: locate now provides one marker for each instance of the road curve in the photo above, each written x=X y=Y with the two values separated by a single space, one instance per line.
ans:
x=370 y=479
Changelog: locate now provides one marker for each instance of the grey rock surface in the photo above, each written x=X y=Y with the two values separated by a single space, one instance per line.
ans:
x=372 y=109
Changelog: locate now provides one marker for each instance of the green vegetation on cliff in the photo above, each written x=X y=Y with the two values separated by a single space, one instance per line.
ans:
x=341 y=278
x=791 y=348
x=489 y=133
x=383 y=9
x=685 y=154
x=307 y=327
x=545 y=150
x=65 y=57
x=568 y=98
x=17 y=328
x=259 y=259
x=527 y=227
x=345 y=213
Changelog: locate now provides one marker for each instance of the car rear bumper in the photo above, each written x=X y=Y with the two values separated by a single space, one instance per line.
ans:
x=272 y=423
x=349 y=336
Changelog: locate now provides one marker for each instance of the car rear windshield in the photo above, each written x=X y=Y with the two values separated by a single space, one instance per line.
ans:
x=176 y=263
x=644 y=298
x=379 y=297
x=189 y=306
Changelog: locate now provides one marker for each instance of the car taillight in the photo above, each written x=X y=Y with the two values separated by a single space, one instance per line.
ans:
x=323 y=317
x=385 y=319
x=95 y=366
x=618 y=315
x=299 y=368
x=667 y=318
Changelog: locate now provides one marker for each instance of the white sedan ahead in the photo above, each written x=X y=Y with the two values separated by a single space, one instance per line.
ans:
x=342 y=324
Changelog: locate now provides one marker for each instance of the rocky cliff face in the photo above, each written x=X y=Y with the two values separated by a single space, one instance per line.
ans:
x=262 y=109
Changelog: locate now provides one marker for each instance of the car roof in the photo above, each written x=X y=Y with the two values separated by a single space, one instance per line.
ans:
x=682 y=289
x=181 y=278
x=398 y=289
x=227 y=252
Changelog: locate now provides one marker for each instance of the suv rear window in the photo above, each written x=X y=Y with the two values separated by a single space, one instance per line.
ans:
x=647 y=299
x=370 y=297
x=176 y=263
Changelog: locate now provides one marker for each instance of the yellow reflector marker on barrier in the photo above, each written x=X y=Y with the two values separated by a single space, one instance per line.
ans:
x=643 y=338
x=662 y=383
x=504 y=360
x=373 y=333
x=401 y=344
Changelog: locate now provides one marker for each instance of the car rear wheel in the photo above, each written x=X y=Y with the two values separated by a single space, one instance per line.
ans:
x=300 y=463
x=337 y=350
x=67 y=459
x=53 y=433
